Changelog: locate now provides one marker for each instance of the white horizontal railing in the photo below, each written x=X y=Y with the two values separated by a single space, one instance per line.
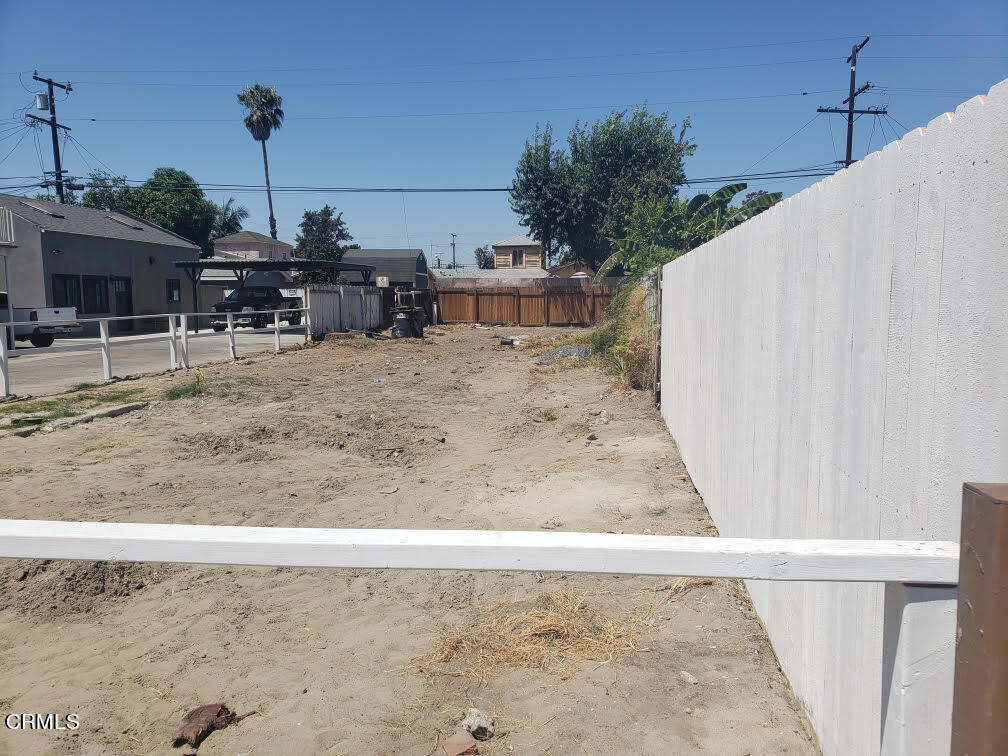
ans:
x=918 y=562
x=928 y=570
x=177 y=336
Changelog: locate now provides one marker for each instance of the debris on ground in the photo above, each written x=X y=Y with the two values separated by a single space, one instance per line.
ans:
x=201 y=721
x=686 y=677
x=556 y=626
x=507 y=342
x=479 y=724
x=603 y=417
x=577 y=351
x=459 y=744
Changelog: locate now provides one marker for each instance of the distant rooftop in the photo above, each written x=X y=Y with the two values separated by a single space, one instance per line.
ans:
x=87 y=221
x=245 y=237
x=505 y=274
x=518 y=241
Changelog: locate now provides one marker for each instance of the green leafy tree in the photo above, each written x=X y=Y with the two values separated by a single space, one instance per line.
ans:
x=660 y=230
x=484 y=257
x=170 y=198
x=581 y=199
x=541 y=191
x=263 y=116
x=229 y=218
x=69 y=197
x=322 y=235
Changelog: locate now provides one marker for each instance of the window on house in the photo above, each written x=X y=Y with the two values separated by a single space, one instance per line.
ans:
x=517 y=258
x=95 y=295
x=173 y=290
x=66 y=291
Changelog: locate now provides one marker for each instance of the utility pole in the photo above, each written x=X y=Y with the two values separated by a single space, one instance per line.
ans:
x=850 y=111
x=453 y=250
x=53 y=126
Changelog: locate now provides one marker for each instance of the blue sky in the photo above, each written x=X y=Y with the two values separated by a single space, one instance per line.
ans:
x=445 y=94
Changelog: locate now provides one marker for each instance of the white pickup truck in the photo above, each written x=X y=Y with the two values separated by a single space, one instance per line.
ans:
x=44 y=323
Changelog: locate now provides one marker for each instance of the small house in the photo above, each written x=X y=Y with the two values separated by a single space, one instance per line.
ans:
x=518 y=252
x=250 y=245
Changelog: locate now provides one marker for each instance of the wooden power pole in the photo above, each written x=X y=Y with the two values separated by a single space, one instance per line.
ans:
x=850 y=111
x=53 y=126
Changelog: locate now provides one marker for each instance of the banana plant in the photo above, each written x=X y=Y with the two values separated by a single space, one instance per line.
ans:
x=658 y=231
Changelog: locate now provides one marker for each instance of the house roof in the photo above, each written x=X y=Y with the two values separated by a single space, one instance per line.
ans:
x=86 y=221
x=518 y=241
x=397 y=264
x=244 y=237
x=509 y=274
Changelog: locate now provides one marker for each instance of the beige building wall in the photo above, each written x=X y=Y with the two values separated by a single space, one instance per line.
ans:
x=530 y=256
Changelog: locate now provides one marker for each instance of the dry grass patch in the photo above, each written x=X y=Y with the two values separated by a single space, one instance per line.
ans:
x=548 y=633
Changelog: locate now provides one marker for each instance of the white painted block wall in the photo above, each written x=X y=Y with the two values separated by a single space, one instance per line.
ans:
x=838 y=367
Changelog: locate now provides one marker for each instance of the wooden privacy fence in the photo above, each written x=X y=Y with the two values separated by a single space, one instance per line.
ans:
x=344 y=308
x=531 y=304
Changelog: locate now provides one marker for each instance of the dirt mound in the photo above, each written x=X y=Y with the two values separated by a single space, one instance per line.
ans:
x=208 y=444
x=46 y=589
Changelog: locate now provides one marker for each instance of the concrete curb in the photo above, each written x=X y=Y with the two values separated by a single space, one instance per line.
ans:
x=112 y=411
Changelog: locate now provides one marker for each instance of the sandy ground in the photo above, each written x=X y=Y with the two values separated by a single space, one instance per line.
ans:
x=310 y=438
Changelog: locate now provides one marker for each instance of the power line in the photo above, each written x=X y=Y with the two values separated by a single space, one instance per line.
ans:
x=491 y=80
x=341 y=117
x=511 y=61
x=455 y=64
x=782 y=142
x=17 y=144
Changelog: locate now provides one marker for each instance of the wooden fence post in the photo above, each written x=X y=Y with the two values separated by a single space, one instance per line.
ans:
x=979 y=724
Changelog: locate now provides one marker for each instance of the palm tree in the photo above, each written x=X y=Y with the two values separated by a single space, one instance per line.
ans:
x=263 y=116
x=229 y=219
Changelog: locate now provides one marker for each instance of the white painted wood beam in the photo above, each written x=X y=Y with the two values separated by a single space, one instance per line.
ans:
x=756 y=559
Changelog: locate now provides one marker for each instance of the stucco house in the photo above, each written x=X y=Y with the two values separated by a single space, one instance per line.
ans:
x=518 y=252
x=250 y=245
x=104 y=263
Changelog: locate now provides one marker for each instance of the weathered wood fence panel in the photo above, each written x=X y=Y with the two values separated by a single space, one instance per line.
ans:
x=344 y=308
x=531 y=304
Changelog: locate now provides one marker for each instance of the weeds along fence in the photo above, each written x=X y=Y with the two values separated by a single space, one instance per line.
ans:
x=834 y=368
x=536 y=302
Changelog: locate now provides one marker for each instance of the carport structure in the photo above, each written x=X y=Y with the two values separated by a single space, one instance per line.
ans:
x=195 y=268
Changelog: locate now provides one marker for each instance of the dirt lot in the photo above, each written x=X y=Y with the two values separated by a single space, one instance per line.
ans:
x=312 y=438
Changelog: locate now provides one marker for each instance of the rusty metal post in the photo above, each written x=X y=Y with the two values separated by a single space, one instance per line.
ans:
x=979 y=721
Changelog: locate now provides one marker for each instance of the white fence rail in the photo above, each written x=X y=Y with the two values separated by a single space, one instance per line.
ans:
x=177 y=337
x=935 y=563
x=921 y=568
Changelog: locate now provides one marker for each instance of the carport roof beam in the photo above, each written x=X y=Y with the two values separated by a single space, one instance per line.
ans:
x=243 y=267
